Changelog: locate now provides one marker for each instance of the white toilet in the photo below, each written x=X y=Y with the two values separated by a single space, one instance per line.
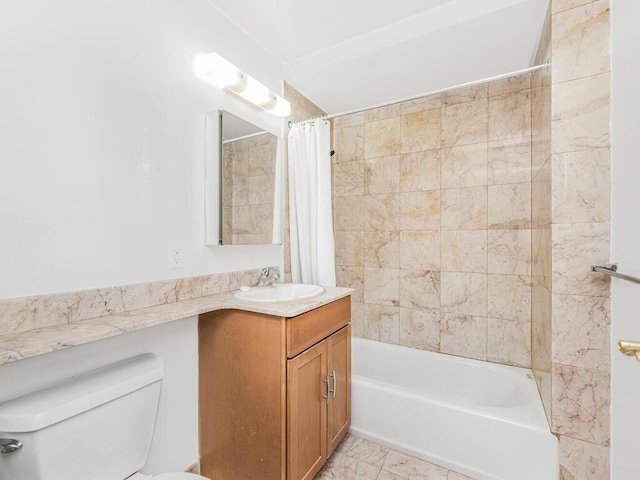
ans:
x=97 y=426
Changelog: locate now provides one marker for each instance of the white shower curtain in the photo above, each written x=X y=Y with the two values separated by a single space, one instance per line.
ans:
x=310 y=218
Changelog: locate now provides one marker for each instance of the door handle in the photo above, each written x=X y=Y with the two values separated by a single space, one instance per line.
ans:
x=630 y=348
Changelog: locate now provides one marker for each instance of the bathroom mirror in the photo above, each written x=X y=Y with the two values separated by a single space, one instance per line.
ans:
x=241 y=180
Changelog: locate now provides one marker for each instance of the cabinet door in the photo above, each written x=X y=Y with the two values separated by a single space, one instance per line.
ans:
x=307 y=413
x=339 y=371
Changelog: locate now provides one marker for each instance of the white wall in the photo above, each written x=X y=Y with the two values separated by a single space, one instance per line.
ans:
x=101 y=166
x=102 y=141
x=175 y=443
x=625 y=231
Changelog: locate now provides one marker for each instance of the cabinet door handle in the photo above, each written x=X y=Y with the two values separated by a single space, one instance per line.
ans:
x=326 y=397
x=335 y=383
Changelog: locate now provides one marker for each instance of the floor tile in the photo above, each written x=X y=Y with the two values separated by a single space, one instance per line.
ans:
x=343 y=467
x=413 y=468
x=368 y=452
x=357 y=458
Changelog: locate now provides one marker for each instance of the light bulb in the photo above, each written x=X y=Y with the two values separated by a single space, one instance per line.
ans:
x=271 y=103
x=254 y=92
x=282 y=108
x=218 y=71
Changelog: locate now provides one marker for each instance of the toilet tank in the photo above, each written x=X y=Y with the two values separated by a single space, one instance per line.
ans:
x=96 y=426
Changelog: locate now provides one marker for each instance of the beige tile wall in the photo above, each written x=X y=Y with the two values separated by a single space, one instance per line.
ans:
x=18 y=315
x=432 y=207
x=248 y=190
x=580 y=215
x=541 y=222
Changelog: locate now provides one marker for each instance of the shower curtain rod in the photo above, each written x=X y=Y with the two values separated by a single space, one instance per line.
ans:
x=535 y=68
x=321 y=117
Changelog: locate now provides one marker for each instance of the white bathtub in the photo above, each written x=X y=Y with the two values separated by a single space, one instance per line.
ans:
x=481 y=419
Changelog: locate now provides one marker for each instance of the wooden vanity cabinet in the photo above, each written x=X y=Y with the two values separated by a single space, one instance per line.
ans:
x=271 y=406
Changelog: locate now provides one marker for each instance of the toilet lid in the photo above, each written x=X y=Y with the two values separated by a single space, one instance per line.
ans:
x=179 y=476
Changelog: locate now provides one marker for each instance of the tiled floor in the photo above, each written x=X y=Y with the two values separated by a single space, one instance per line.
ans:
x=359 y=459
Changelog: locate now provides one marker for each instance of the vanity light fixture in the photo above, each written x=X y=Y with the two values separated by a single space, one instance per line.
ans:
x=221 y=73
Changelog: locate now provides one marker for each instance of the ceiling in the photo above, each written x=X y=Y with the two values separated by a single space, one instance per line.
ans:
x=354 y=54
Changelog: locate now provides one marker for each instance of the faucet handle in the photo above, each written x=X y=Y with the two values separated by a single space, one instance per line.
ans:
x=266 y=271
x=265 y=276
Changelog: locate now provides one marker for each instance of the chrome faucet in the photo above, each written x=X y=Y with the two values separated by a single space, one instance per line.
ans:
x=267 y=277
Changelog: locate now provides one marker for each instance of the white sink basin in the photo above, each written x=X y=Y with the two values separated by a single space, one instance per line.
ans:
x=280 y=292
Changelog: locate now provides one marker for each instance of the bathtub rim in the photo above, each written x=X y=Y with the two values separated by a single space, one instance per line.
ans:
x=466 y=408
x=536 y=418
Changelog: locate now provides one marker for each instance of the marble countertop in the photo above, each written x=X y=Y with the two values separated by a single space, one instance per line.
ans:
x=18 y=346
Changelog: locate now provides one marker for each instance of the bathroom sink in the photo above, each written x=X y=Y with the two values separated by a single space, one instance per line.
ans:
x=280 y=292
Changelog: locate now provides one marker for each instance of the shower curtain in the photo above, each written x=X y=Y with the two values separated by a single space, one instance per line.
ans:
x=310 y=213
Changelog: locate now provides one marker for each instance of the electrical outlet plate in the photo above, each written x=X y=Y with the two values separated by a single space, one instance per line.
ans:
x=176 y=256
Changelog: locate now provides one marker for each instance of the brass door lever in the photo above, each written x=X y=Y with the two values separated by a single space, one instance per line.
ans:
x=630 y=348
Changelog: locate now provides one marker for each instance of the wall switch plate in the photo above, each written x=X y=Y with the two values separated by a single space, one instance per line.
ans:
x=176 y=256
